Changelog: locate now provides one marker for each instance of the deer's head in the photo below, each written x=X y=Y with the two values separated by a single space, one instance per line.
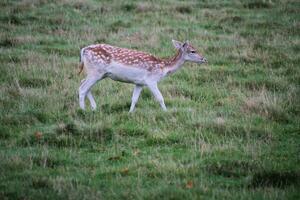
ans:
x=189 y=53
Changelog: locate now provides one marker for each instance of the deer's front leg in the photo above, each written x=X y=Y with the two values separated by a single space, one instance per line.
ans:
x=155 y=91
x=135 y=96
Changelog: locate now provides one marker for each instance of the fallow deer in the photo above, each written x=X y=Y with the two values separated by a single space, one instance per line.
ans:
x=130 y=66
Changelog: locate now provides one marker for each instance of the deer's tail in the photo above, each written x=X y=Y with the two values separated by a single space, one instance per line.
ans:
x=81 y=63
x=81 y=66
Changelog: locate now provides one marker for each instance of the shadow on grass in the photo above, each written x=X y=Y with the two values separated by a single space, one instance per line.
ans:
x=115 y=108
x=275 y=179
x=231 y=169
x=257 y=4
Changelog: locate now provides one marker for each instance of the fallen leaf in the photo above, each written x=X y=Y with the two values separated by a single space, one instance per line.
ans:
x=124 y=171
x=136 y=152
x=38 y=135
x=189 y=184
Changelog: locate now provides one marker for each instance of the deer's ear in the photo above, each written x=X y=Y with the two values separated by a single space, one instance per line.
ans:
x=185 y=45
x=177 y=44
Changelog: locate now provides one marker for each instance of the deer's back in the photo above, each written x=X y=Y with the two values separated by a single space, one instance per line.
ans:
x=107 y=54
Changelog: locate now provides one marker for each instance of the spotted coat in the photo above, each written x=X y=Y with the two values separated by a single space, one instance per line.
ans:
x=105 y=54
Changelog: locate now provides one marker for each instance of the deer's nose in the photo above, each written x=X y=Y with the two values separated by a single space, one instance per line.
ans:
x=204 y=60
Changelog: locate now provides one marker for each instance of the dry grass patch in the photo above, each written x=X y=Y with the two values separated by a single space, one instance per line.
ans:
x=266 y=104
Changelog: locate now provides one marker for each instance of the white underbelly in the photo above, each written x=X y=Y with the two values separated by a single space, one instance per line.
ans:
x=127 y=74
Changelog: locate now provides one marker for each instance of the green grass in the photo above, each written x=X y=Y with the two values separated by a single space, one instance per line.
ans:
x=232 y=129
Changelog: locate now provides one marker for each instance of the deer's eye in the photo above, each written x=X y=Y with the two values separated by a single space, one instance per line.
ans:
x=192 y=51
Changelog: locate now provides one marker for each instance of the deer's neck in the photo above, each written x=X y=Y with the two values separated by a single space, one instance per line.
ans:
x=174 y=63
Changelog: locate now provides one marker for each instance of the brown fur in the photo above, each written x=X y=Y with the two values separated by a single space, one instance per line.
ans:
x=105 y=53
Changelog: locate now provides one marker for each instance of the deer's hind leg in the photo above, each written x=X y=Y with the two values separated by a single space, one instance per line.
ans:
x=84 y=90
x=92 y=100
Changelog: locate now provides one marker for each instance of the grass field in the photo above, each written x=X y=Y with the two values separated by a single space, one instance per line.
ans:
x=232 y=129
